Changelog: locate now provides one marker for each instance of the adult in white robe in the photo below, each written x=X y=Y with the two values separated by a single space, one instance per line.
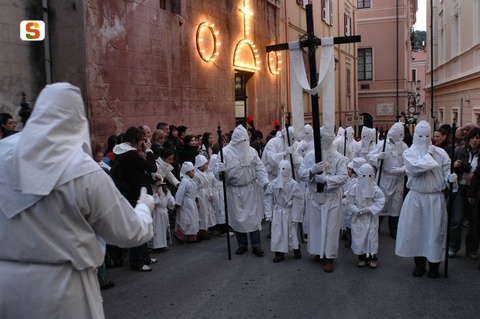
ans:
x=367 y=143
x=305 y=146
x=284 y=204
x=346 y=143
x=392 y=179
x=364 y=201
x=423 y=220
x=325 y=209
x=280 y=148
x=56 y=204
x=245 y=178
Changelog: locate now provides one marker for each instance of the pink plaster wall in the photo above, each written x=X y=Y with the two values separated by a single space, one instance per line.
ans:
x=142 y=66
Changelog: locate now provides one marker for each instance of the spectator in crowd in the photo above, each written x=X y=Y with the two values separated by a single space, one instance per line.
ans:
x=206 y=148
x=158 y=141
x=441 y=139
x=190 y=149
x=133 y=167
x=108 y=153
x=7 y=125
x=465 y=163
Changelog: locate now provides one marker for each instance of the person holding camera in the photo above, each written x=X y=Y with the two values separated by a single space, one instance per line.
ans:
x=466 y=158
x=135 y=173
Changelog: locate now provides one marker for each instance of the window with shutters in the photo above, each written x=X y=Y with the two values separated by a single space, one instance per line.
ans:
x=347 y=24
x=327 y=12
x=365 y=64
x=173 y=6
x=361 y=4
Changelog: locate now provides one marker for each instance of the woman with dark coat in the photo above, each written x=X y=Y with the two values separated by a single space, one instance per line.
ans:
x=190 y=150
x=135 y=172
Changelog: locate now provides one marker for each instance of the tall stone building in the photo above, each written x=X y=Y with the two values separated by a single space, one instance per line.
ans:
x=196 y=63
x=385 y=84
x=455 y=61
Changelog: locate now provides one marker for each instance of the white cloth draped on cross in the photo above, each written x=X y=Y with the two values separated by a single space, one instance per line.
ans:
x=326 y=80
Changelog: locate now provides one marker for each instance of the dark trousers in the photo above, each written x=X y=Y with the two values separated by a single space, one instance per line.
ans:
x=242 y=239
x=139 y=256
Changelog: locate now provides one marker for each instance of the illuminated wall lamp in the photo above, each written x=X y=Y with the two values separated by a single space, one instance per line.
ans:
x=202 y=27
x=274 y=62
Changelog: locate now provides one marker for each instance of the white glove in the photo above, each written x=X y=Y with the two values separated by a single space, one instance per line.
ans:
x=221 y=167
x=452 y=178
x=268 y=219
x=288 y=151
x=431 y=149
x=397 y=170
x=382 y=155
x=320 y=178
x=146 y=199
x=318 y=167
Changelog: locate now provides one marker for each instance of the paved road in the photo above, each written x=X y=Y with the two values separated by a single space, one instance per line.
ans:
x=198 y=281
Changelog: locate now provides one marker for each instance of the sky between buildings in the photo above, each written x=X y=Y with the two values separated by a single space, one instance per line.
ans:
x=421 y=24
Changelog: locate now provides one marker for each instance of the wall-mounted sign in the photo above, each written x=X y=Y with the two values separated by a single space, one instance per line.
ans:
x=385 y=109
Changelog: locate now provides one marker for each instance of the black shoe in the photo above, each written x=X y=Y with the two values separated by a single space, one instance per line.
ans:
x=108 y=285
x=258 y=251
x=297 y=253
x=241 y=250
x=419 y=271
x=144 y=268
x=204 y=237
x=181 y=242
x=152 y=261
x=278 y=257
x=433 y=273
x=317 y=259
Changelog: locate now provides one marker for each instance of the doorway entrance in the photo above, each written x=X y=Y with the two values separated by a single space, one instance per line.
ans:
x=241 y=97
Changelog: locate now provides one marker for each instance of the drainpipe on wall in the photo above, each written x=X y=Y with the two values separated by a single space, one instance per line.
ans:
x=287 y=60
x=46 y=44
x=339 y=74
x=431 y=66
x=397 y=55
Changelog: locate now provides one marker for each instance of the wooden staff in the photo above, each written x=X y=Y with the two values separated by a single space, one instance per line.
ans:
x=222 y=177
x=450 y=200
x=381 y=163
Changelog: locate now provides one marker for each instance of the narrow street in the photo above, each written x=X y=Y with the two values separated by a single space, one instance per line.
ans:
x=198 y=281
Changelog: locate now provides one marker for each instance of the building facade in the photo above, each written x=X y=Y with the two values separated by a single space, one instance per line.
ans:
x=385 y=85
x=199 y=63
x=456 y=62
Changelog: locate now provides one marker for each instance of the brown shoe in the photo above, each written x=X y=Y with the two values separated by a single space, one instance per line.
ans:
x=328 y=267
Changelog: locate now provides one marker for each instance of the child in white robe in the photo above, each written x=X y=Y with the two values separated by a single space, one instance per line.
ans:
x=204 y=196
x=352 y=169
x=186 y=223
x=284 y=205
x=164 y=201
x=364 y=201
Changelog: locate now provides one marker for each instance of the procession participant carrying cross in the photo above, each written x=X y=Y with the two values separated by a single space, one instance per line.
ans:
x=325 y=177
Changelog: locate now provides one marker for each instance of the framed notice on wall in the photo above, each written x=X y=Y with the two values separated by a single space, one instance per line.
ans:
x=239 y=108
x=385 y=109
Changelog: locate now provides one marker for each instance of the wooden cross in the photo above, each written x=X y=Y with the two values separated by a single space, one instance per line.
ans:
x=312 y=42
